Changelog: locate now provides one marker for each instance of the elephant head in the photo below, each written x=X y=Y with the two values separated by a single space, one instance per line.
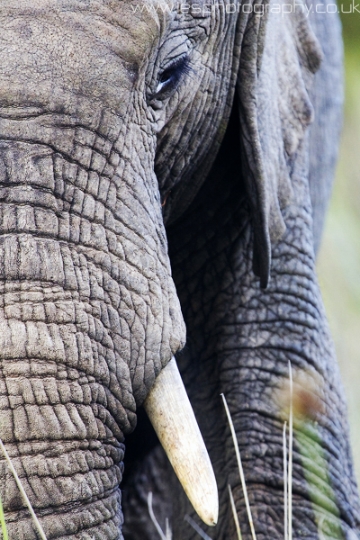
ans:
x=156 y=168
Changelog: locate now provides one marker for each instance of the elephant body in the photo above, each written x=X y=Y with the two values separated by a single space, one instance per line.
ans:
x=167 y=166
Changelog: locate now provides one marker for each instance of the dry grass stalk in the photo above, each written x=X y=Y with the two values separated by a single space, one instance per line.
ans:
x=196 y=527
x=233 y=508
x=290 y=467
x=22 y=491
x=285 y=484
x=168 y=534
x=241 y=471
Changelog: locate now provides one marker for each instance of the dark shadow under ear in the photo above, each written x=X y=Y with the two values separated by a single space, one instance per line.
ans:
x=279 y=54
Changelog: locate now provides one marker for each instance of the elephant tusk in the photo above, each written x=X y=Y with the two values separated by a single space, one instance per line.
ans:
x=173 y=419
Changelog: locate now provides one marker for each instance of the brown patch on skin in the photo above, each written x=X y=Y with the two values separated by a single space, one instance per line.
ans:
x=306 y=404
x=306 y=400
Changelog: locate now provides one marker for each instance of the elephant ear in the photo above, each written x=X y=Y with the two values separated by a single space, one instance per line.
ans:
x=279 y=54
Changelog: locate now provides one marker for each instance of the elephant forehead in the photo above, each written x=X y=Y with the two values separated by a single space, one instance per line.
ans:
x=55 y=52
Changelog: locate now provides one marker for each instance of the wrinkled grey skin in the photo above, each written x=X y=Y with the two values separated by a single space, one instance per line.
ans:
x=96 y=158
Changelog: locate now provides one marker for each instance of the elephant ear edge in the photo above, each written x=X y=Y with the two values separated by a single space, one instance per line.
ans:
x=279 y=55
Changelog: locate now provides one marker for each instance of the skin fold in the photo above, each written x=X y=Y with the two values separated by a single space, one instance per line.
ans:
x=164 y=171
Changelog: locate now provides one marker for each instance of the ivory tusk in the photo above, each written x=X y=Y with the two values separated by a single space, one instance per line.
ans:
x=173 y=419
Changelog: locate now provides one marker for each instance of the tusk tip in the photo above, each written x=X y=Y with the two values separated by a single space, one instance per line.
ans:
x=210 y=521
x=207 y=508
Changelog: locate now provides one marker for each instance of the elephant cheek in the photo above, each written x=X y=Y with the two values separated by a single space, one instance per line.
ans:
x=102 y=243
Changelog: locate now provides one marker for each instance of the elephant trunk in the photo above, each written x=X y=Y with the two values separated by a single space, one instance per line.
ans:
x=61 y=403
x=58 y=425
x=88 y=318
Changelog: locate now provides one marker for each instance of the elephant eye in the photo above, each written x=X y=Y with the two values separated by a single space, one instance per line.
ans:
x=170 y=77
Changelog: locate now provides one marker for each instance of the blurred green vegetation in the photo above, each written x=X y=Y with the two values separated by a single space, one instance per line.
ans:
x=350 y=19
x=339 y=258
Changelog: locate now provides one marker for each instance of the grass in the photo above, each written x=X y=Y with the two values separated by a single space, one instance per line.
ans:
x=234 y=513
x=3 y=523
x=240 y=467
x=288 y=533
x=25 y=497
x=285 y=483
x=164 y=536
x=197 y=528
x=287 y=474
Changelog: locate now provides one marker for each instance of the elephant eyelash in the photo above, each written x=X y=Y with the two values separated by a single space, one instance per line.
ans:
x=170 y=77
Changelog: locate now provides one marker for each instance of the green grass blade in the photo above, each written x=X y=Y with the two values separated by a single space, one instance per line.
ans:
x=3 y=523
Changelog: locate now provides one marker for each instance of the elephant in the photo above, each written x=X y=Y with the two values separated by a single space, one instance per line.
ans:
x=165 y=169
